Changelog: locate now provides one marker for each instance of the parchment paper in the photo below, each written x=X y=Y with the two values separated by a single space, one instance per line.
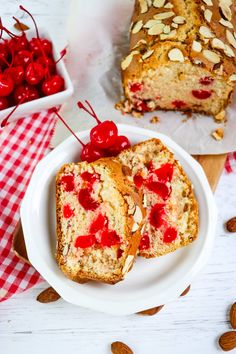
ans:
x=98 y=39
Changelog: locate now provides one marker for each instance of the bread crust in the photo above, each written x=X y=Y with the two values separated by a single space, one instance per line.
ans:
x=195 y=23
x=132 y=239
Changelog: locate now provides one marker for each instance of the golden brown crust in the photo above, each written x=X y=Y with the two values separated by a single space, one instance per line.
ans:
x=205 y=25
x=132 y=239
x=194 y=14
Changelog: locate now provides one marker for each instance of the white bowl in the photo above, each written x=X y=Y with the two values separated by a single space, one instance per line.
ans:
x=43 y=102
x=151 y=282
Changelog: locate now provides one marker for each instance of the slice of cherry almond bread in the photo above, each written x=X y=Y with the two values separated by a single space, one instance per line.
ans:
x=171 y=208
x=99 y=218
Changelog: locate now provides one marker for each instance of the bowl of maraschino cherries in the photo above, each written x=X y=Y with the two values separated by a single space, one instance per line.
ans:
x=33 y=76
x=104 y=138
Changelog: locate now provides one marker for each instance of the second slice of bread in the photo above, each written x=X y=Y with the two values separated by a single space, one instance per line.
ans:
x=171 y=207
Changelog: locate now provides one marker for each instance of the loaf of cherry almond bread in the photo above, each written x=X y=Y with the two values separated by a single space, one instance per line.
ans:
x=171 y=208
x=99 y=218
x=182 y=56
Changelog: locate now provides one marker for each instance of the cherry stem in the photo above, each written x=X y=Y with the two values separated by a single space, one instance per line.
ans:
x=62 y=54
x=91 y=112
x=4 y=122
x=35 y=25
x=37 y=35
x=5 y=61
x=10 y=34
x=67 y=126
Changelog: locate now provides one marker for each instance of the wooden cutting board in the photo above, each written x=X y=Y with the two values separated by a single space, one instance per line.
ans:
x=213 y=166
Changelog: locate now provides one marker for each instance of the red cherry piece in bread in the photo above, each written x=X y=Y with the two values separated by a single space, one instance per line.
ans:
x=109 y=238
x=85 y=241
x=170 y=235
x=52 y=85
x=86 y=201
x=207 y=80
x=119 y=253
x=34 y=73
x=67 y=211
x=22 y=58
x=91 y=153
x=3 y=103
x=144 y=243
x=201 y=94
x=6 y=85
x=142 y=106
x=156 y=215
x=98 y=224
x=165 y=172
x=150 y=166
x=121 y=143
x=68 y=182
x=159 y=188
x=135 y=87
x=178 y=104
x=90 y=177
x=138 y=180
x=104 y=134
x=48 y=64
x=17 y=73
x=26 y=93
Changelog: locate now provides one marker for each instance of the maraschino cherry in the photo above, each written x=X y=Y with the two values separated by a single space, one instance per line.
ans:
x=6 y=85
x=34 y=73
x=89 y=152
x=3 y=103
x=52 y=85
x=104 y=134
x=48 y=64
x=17 y=73
x=22 y=58
x=29 y=93
x=39 y=46
x=121 y=143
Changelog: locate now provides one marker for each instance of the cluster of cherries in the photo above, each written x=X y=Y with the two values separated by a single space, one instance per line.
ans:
x=27 y=67
x=104 y=138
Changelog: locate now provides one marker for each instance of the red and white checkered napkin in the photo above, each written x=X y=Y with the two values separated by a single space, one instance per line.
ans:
x=22 y=145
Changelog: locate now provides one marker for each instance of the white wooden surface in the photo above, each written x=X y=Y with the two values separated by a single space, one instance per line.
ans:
x=189 y=325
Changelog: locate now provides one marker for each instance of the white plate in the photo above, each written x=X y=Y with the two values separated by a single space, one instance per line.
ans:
x=151 y=282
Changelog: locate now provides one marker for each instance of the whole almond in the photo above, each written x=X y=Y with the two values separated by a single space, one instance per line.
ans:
x=227 y=341
x=48 y=295
x=120 y=348
x=231 y=225
x=233 y=316
x=185 y=292
x=151 y=312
